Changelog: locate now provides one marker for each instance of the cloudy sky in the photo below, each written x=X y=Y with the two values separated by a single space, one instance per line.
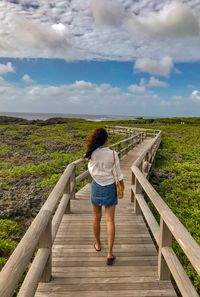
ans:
x=123 y=57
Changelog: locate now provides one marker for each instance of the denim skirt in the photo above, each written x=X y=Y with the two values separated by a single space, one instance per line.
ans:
x=103 y=195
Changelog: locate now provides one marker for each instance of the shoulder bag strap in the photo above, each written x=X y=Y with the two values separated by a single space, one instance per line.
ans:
x=115 y=165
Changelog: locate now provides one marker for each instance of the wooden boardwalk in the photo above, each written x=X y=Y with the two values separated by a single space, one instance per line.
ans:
x=78 y=270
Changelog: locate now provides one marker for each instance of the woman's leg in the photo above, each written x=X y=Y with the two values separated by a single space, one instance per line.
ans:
x=97 y=212
x=110 y=221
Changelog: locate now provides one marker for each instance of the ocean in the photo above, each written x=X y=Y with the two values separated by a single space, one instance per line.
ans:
x=45 y=116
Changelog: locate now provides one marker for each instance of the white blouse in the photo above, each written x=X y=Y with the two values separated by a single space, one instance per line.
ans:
x=101 y=166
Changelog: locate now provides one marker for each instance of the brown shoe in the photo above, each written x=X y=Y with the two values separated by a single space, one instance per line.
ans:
x=111 y=260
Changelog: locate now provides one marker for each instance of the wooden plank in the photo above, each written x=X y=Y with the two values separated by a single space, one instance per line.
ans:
x=104 y=253
x=68 y=273
x=101 y=280
x=130 y=269
x=152 y=285
x=117 y=247
x=69 y=263
x=124 y=293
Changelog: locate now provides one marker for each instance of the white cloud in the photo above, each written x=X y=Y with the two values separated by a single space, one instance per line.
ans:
x=143 y=86
x=26 y=78
x=162 y=66
x=128 y=30
x=82 y=97
x=25 y=37
x=195 y=96
x=177 y=98
x=107 y=13
x=6 y=68
x=60 y=28
x=83 y=84
x=154 y=82
x=136 y=89
x=174 y=19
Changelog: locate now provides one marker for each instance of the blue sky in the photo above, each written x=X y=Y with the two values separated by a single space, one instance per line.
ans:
x=116 y=57
x=119 y=74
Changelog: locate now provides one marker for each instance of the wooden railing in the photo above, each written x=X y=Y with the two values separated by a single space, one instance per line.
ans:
x=170 y=227
x=131 y=131
x=38 y=239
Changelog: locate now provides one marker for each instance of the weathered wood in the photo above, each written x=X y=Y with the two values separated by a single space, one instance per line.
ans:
x=66 y=202
x=21 y=256
x=73 y=184
x=114 y=293
x=151 y=221
x=132 y=186
x=165 y=240
x=34 y=274
x=78 y=162
x=82 y=176
x=64 y=207
x=183 y=237
x=45 y=242
x=138 y=191
x=105 y=286
x=184 y=284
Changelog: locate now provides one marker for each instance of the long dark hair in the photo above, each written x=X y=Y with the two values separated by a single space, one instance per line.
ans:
x=95 y=140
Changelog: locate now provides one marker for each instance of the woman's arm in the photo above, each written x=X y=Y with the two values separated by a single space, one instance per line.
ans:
x=117 y=169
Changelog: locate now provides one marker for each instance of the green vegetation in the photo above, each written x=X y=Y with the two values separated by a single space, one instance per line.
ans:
x=33 y=157
x=8 y=231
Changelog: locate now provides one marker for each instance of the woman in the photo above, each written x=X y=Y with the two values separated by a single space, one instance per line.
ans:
x=103 y=168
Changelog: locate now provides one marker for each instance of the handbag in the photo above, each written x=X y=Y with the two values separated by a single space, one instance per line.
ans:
x=119 y=188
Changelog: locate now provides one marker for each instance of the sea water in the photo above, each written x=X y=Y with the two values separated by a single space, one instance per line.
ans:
x=45 y=116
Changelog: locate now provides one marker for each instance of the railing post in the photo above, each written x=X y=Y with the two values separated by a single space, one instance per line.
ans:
x=141 y=137
x=165 y=240
x=67 y=192
x=132 y=185
x=46 y=242
x=138 y=138
x=127 y=143
x=73 y=184
x=70 y=190
x=138 y=190
x=150 y=155
x=119 y=150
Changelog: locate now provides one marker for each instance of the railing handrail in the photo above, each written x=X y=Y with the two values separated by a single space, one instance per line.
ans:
x=180 y=233
x=170 y=225
x=43 y=230
x=138 y=161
